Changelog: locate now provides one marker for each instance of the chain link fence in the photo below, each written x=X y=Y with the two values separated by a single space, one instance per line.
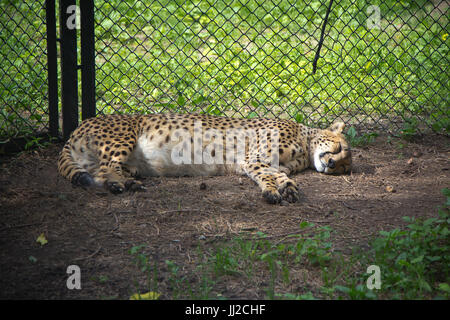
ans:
x=376 y=64
x=23 y=70
x=382 y=63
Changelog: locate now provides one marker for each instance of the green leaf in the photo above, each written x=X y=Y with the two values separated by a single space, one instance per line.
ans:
x=444 y=287
x=418 y=259
x=252 y=114
x=370 y=295
x=136 y=249
x=342 y=289
x=305 y=224
x=385 y=233
x=41 y=239
x=424 y=284
x=433 y=258
x=299 y=118
x=181 y=101
x=408 y=219
x=446 y=192
x=429 y=221
x=351 y=132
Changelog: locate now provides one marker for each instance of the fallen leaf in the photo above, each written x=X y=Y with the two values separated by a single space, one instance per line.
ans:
x=145 y=296
x=41 y=239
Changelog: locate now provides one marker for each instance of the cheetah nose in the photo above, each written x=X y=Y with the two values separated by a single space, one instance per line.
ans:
x=331 y=164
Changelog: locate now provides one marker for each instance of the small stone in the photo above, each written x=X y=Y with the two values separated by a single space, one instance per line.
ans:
x=284 y=203
x=202 y=237
x=390 y=189
x=240 y=181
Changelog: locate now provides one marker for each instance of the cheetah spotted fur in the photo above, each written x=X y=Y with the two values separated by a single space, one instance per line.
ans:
x=113 y=150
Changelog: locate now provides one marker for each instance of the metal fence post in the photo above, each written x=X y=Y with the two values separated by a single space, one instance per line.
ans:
x=69 y=72
x=52 y=68
x=88 y=107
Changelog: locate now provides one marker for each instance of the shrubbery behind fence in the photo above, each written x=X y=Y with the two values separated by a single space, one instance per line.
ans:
x=377 y=64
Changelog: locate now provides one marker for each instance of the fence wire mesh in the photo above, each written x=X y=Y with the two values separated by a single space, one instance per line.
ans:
x=23 y=74
x=382 y=63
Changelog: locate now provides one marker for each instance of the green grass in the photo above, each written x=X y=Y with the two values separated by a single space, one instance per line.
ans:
x=414 y=264
x=243 y=259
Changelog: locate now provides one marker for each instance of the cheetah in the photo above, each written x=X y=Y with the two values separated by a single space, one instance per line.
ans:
x=115 y=150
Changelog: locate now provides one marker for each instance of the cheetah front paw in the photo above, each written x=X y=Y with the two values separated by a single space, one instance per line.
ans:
x=289 y=191
x=272 y=196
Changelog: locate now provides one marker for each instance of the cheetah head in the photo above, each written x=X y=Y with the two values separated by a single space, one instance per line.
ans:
x=330 y=152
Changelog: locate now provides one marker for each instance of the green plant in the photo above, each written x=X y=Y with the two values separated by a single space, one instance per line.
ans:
x=291 y=296
x=356 y=140
x=195 y=59
x=356 y=291
x=38 y=142
x=23 y=91
x=224 y=262
x=410 y=128
x=415 y=261
x=146 y=266
x=194 y=62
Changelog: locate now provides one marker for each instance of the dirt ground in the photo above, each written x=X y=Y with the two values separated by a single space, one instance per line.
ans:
x=95 y=230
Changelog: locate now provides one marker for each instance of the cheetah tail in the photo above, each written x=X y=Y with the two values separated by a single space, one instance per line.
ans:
x=69 y=169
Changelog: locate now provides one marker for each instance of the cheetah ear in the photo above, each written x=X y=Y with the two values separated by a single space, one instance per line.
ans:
x=337 y=127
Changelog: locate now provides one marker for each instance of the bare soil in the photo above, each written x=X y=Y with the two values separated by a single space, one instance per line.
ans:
x=95 y=230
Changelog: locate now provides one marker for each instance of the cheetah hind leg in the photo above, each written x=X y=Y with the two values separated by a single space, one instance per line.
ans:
x=129 y=171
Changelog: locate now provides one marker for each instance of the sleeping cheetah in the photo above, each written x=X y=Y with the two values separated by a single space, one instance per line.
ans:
x=113 y=150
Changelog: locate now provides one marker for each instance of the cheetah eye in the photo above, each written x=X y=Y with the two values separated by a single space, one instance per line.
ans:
x=337 y=151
